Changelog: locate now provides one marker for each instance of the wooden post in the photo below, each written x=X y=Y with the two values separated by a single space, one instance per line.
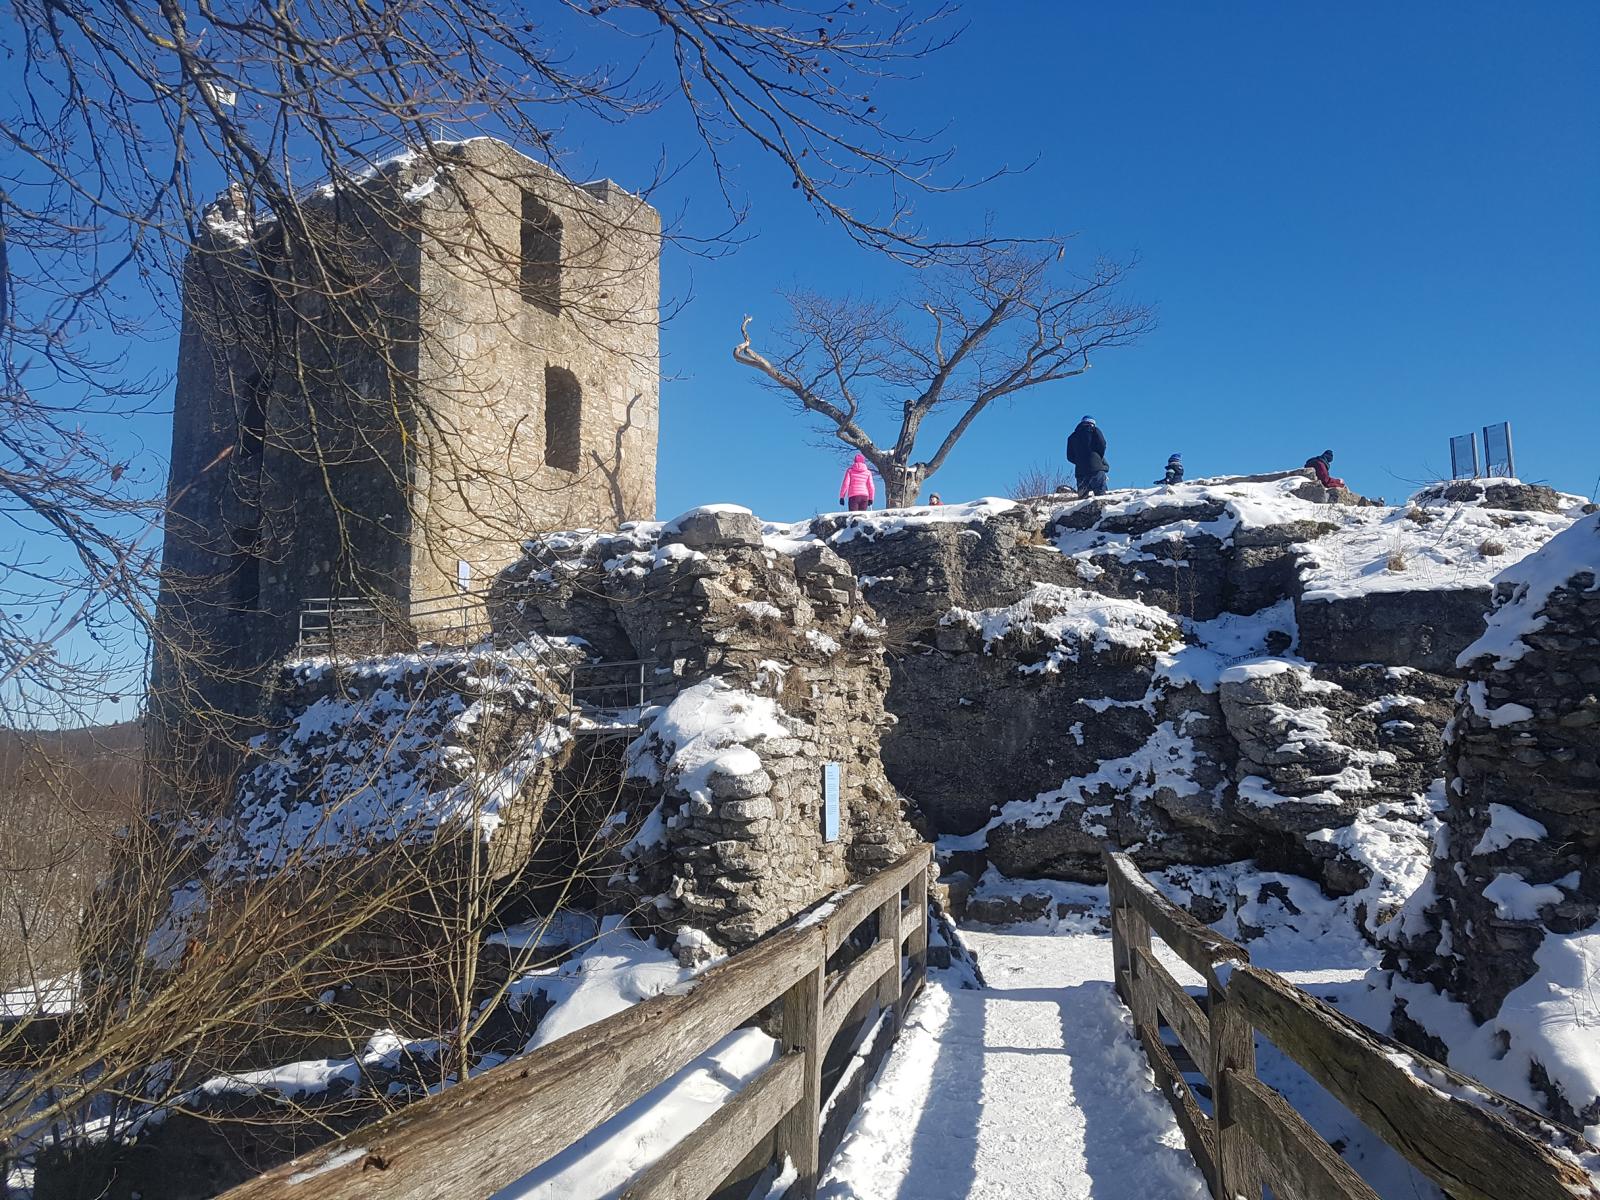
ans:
x=1141 y=998
x=1233 y=1053
x=1120 y=968
x=917 y=944
x=799 y=1132
x=889 y=931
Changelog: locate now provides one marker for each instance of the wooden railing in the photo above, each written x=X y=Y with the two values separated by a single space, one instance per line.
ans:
x=1474 y=1144
x=473 y=1139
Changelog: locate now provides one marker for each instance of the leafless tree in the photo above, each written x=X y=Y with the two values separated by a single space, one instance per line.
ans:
x=124 y=120
x=979 y=327
x=122 y=124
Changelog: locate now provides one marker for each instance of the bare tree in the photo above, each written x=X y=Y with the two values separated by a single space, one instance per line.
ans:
x=123 y=123
x=981 y=326
x=126 y=119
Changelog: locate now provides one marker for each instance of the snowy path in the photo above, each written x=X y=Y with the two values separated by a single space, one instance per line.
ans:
x=1031 y=1088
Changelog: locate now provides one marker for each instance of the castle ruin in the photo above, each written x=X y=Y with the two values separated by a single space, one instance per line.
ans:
x=384 y=388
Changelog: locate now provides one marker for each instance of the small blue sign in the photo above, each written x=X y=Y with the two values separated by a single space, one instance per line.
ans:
x=830 y=802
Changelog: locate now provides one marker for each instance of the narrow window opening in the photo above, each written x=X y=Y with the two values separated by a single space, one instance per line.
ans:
x=541 y=255
x=563 y=418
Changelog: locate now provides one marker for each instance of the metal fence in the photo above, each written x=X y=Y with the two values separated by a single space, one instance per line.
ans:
x=367 y=624
x=606 y=698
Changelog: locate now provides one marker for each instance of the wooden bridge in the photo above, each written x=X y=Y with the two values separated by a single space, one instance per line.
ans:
x=860 y=958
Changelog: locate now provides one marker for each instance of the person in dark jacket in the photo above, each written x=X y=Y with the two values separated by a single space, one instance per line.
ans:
x=1086 y=451
x=1320 y=465
x=1174 y=471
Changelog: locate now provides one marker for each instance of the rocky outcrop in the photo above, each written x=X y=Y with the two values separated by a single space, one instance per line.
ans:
x=1233 y=736
x=1411 y=588
x=768 y=666
x=1511 y=912
x=1425 y=629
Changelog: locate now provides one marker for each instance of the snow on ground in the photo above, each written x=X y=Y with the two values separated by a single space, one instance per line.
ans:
x=617 y=970
x=48 y=997
x=1028 y=1089
x=1392 y=550
x=1532 y=580
x=1071 y=619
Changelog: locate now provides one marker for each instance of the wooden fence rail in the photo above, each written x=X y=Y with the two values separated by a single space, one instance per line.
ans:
x=473 y=1139
x=1474 y=1144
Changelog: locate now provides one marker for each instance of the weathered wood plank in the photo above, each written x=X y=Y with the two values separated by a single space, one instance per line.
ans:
x=1233 y=1056
x=697 y=1165
x=1195 y=943
x=1179 y=1008
x=1297 y=1162
x=799 y=1132
x=1141 y=993
x=912 y=918
x=1192 y=1120
x=478 y=1136
x=858 y=903
x=1473 y=1153
x=915 y=921
x=889 y=931
x=860 y=977
x=1121 y=953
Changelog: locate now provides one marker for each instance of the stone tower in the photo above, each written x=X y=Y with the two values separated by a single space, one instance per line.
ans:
x=381 y=392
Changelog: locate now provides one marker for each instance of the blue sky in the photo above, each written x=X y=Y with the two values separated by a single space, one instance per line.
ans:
x=1364 y=227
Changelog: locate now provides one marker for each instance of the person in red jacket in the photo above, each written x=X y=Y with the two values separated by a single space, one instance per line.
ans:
x=856 y=488
x=1320 y=465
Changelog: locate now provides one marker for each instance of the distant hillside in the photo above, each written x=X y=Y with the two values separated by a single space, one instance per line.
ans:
x=63 y=795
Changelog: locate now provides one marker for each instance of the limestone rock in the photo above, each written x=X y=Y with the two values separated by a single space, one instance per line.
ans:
x=713 y=526
x=1519 y=853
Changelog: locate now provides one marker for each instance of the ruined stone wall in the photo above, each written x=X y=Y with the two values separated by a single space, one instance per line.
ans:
x=482 y=473
x=364 y=446
x=769 y=665
x=1515 y=886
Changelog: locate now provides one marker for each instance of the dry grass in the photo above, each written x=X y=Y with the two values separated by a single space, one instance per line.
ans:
x=1042 y=479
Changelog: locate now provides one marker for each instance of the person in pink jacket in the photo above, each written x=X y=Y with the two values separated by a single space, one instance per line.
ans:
x=856 y=488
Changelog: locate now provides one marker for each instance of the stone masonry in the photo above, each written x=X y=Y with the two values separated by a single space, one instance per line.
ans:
x=490 y=367
x=1518 y=857
x=769 y=665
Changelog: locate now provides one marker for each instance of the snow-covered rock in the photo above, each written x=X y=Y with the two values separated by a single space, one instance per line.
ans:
x=1499 y=943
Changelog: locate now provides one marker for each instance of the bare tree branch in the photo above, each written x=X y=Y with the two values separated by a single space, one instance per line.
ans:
x=1002 y=322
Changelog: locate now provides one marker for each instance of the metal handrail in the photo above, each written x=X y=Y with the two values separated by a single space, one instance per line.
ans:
x=586 y=685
